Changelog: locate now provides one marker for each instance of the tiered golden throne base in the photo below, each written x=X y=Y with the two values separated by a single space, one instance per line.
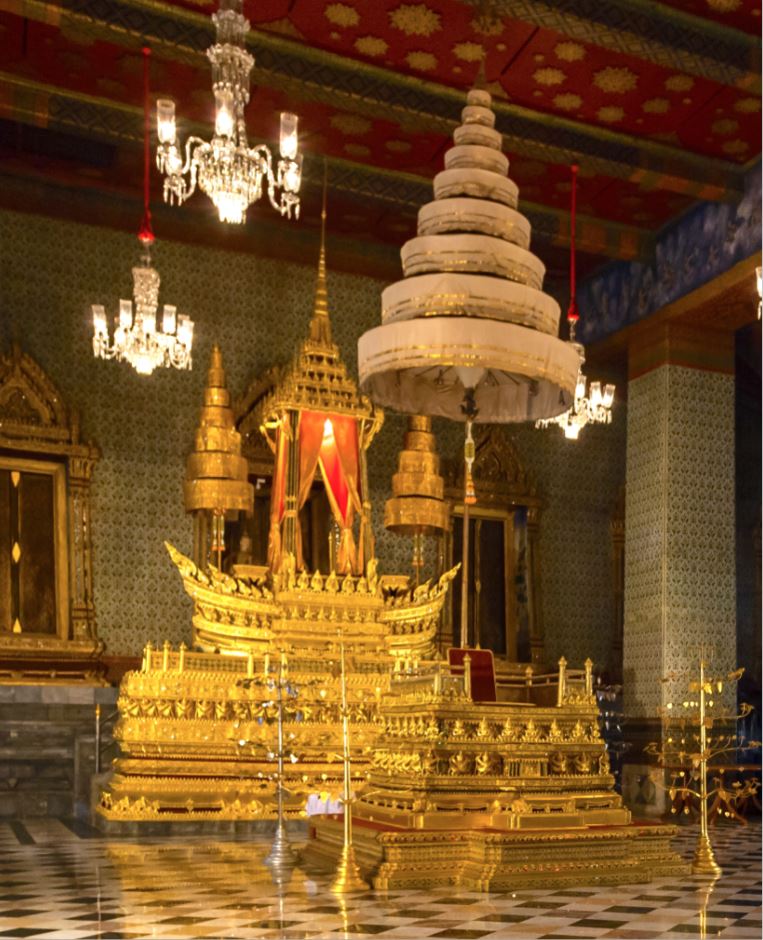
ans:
x=492 y=860
x=513 y=792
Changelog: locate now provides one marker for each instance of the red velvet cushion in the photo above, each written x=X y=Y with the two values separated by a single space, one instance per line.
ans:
x=483 y=671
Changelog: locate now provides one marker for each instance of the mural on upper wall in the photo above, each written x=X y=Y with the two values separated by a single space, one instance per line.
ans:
x=257 y=310
x=707 y=241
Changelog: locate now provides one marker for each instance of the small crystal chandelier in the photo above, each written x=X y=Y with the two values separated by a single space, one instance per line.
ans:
x=136 y=337
x=227 y=169
x=596 y=406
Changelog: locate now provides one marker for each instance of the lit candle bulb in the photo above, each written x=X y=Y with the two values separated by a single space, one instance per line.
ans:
x=224 y=120
x=165 y=121
x=284 y=664
x=266 y=667
x=125 y=314
x=289 y=142
x=169 y=319
x=99 y=319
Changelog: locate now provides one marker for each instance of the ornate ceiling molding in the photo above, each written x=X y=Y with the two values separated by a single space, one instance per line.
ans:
x=310 y=74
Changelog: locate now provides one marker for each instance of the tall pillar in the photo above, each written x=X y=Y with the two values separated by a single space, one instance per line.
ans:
x=679 y=514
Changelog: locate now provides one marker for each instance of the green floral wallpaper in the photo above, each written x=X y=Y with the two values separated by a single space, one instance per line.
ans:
x=257 y=310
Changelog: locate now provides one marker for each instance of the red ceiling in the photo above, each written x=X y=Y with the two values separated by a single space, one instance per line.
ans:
x=439 y=40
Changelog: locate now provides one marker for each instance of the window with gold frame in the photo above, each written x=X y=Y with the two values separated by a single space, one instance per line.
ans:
x=47 y=613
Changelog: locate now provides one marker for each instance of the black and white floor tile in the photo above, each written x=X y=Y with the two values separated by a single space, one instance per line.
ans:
x=60 y=880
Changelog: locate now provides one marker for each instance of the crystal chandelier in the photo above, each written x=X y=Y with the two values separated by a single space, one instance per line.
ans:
x=136 y=337
x=595 y=407
x=592 y=406
x=227 y=169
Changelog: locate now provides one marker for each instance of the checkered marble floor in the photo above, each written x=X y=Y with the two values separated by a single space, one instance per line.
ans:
x=61 y=880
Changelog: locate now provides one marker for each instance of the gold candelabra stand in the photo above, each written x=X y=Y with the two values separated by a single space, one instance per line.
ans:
x=348 y=877
x=687 y=740
x=281 y=856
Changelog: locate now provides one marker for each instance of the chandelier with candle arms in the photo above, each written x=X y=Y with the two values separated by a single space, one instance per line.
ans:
x=136 y=337
x=232 y=173
x=595 y=407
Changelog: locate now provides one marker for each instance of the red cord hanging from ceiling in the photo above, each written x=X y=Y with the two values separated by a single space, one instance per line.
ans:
x=146 y=233
x=573 y=314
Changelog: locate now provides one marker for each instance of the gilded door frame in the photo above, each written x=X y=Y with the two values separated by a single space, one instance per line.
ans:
x=63 y=571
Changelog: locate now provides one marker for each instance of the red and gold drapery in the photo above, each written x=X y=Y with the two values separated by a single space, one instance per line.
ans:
x=331 y=444
x=328 y=443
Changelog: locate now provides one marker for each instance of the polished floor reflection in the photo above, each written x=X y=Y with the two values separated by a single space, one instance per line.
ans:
x=61 y=880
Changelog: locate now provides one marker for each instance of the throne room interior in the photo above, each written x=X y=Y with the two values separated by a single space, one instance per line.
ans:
x=380 y=468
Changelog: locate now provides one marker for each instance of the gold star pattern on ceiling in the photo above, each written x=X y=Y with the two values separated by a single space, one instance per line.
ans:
x=371 y=45
x=725 y=126
x=747 y=105
x=679 y=83
x=549 y=76
x=615 y=81
x=398 y=146
x=656 y=106
x=610 y=114
x=350 y=123
x=357 y=150
x=340 y=14
x=569 y=51
x=415 y=19
x=421 y=61
x=468 y=51
x=735 y=147
x=568 y=102
x=724 y=6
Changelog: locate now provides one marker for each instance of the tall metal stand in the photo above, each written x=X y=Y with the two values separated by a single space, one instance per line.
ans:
x=347 y=876
x=704 y=862
x=281 y=855
x=469 y=408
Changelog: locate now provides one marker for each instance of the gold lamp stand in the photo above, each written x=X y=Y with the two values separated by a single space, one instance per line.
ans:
x=704 y=862
x=348 y=877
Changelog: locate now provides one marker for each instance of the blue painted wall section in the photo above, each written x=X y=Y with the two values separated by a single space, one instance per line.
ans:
x=708 y=240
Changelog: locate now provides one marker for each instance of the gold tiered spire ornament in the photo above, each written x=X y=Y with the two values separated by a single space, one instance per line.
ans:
x=417 y=507
x=316 y=422
x=217 y=475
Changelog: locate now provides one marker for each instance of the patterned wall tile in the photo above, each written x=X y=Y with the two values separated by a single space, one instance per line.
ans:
x=679 y=530
x=257 y=310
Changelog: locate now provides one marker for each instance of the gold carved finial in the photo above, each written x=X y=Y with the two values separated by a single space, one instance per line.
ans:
x=320 y=325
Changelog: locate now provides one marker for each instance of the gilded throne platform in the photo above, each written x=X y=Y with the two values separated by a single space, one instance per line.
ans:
x=494 y=795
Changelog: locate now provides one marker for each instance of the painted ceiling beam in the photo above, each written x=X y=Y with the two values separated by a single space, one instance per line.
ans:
x=646 y=30
x=268 y=238
x=51 y=107
x=310 y=74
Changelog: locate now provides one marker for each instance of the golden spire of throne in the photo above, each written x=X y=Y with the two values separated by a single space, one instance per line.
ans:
x=317 y=379
x=320 y=324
